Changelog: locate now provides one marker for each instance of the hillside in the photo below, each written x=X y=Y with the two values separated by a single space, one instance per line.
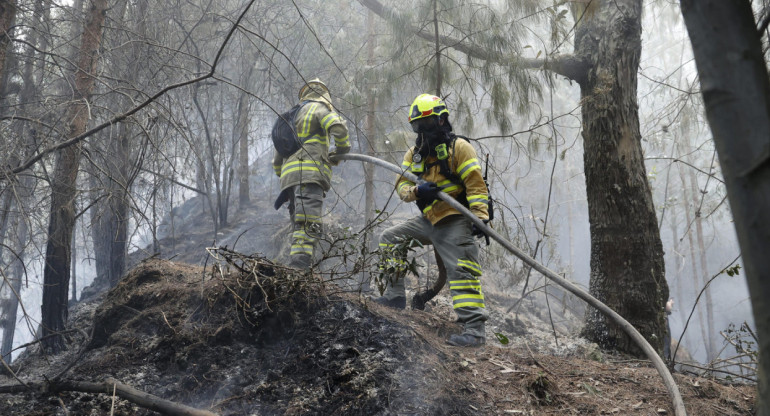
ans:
x=244 y=336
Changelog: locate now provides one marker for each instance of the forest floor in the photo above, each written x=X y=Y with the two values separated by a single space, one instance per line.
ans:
x=275 y=342
x=249 y=337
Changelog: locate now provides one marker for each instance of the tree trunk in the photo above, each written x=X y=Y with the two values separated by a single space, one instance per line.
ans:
x=110 y=212
x=100 y=223
x=695 y=285
x=56 y=272
x=736 y=93
x=242 y=129
x=26 y=185
x=11 y=304
x=7 y=16
x=627 y=268
x=704 y=274
x=371 y=107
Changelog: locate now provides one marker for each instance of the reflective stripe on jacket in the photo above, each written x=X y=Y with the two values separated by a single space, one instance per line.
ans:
x=464 y=163
x=315 y=123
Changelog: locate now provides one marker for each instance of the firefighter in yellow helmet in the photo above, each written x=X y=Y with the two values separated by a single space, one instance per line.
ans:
x=306 y=174
x=444 y=163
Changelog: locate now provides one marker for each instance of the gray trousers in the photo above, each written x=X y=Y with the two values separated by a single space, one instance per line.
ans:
x=454 y=243
x=307 y=229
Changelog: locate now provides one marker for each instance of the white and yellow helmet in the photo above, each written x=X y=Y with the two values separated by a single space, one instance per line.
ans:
x=316 y=90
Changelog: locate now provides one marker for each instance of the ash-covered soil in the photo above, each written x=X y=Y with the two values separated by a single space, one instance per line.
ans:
x=273 y=342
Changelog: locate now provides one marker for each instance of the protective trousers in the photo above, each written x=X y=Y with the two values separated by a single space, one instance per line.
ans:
x=454 y=243
x=307 y=229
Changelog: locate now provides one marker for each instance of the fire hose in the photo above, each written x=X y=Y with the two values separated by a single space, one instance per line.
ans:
x=629 y=329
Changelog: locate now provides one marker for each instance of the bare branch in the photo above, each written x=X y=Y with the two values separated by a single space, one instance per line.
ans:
x=117 y=119
x=569 y=66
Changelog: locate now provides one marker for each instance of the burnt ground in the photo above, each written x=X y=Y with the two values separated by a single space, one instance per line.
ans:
x=274 y=342
x=270 y=341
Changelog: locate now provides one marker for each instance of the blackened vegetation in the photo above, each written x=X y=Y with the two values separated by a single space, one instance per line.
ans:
x=250 y=337
x=542 y=389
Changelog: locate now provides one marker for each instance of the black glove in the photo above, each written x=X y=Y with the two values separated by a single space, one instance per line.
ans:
x=427 y=192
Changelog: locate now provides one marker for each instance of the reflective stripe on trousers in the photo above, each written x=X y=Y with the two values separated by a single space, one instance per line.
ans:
x=308 y=201
x=457 y=248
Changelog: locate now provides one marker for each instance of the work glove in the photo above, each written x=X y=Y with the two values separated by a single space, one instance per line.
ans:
x=478 y=232
x=333 y=158
x=427 y=192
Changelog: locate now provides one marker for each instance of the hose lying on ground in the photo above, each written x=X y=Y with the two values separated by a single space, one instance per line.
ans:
x=420 y=299
x=629 y=329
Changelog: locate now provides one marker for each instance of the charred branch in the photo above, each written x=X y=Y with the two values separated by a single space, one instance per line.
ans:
x=112 y=387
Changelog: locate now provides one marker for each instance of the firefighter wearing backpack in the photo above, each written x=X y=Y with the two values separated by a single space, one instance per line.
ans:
x=446 y=163
x=305 y=175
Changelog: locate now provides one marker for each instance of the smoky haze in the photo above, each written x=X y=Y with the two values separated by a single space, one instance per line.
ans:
x=183 y=155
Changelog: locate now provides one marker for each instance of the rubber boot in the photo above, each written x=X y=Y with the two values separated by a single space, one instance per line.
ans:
x=465 y=340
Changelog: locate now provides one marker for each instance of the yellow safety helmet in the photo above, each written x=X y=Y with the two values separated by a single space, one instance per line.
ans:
x=316 y=85
x=426 y=105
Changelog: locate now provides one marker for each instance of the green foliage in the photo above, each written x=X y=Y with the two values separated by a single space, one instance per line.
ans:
x=744 y=341
x=502 y=338
x=497 y=85
x=733 y=271
x=394 y=264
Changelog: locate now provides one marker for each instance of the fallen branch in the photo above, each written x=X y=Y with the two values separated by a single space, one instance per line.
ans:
x=112 y=387
x=629 y=329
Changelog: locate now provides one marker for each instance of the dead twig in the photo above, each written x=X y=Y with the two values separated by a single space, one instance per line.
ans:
x=167 y=323
x=113 y=387
x=538 y=363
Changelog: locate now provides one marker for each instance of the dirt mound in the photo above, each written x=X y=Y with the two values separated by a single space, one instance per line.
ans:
x=267 y=342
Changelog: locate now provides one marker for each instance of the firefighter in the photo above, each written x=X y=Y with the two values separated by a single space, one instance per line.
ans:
x=306 y=175
x=444 y=163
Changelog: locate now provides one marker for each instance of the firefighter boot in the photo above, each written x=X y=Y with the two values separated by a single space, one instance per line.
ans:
x=465 y=340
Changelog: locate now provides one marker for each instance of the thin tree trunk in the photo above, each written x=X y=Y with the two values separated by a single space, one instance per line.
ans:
x=242 y=130
x=704 y=275
x=695 y=286
x=370 y=125
x=11 y=305
x=736 y=92
x=74 y=263
x=216 y=211
x=56 y=272
x=7 y=16
x=677 y=263
x=437 y=53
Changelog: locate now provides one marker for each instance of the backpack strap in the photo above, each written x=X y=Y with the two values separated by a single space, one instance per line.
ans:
x=446 y=170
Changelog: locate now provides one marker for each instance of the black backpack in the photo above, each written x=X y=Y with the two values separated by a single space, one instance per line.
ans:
x=284 y=137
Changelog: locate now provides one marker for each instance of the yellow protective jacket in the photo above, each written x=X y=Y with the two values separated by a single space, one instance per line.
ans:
x=316 y=122
x=462 y=162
